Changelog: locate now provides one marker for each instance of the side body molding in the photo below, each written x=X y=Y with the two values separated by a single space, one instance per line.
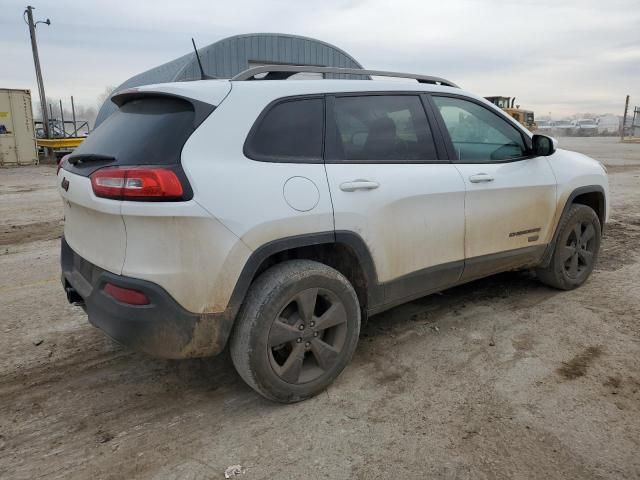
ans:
x=383 y=296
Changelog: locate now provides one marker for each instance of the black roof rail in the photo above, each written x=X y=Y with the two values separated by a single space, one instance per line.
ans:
x=282 y=72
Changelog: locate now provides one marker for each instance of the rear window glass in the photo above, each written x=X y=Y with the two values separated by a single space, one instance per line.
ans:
x=291 y=130
x=146 y=131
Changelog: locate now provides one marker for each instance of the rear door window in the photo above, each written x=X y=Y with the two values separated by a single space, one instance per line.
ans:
x=289 y=131
x=381 y=128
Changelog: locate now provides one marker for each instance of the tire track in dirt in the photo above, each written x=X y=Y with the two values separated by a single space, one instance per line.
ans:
x=30 y=232
x=620 y=243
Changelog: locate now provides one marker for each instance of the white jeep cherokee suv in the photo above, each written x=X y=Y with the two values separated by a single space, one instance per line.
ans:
x=277 y=215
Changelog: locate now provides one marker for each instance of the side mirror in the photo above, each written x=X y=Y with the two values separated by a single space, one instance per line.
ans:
x=543 y=146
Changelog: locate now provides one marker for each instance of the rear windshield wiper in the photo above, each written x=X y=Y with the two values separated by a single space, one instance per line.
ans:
x=90 y=157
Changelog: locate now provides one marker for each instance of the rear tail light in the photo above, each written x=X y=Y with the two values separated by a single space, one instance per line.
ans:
x=137 y=183
x=126 y=295
x=61 y=162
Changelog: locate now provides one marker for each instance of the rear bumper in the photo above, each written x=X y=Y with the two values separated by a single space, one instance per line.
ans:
x=163 y=328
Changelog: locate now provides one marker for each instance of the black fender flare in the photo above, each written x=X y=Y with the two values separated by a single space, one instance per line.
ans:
x=375 y=292
x=546 y=258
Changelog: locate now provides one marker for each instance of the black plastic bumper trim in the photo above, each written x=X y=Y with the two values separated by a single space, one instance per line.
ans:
x=163 y=328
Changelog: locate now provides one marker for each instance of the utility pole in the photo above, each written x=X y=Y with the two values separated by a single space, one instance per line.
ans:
x=624 y=119
x=36 y=62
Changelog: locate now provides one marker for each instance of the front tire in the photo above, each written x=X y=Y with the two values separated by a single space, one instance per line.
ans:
x=576 y=249
x=296 y=331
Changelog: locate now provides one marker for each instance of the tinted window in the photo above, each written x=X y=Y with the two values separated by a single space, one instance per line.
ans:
x=147 y=131
x=381 y=128
x=478 y=134
x=291 y=130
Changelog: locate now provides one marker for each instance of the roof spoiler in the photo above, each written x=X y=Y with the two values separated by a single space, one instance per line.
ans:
x=201 y=109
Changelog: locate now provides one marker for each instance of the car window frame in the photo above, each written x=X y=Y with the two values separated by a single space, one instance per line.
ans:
x=453 y=154
x=330 y=156
x=251 y=154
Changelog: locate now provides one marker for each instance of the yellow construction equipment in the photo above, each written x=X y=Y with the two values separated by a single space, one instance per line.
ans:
x=59 y=143
x=524 y=117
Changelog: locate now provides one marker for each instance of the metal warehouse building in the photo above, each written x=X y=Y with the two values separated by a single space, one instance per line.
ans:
x=232 y=55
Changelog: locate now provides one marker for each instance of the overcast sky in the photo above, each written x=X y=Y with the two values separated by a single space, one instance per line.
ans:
x=556 y=56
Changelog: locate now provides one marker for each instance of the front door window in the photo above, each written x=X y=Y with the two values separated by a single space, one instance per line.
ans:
x=479 y=135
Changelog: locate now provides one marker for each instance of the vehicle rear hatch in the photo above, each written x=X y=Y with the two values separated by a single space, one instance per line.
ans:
x=148 y=130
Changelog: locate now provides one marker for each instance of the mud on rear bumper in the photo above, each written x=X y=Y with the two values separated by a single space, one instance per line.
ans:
x=163 y=328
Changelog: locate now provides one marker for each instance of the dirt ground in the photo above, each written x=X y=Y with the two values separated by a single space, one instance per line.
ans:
x=499 y=379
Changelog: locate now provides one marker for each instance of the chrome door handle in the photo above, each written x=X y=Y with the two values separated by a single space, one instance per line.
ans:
x=359 y=184
x=480 y=178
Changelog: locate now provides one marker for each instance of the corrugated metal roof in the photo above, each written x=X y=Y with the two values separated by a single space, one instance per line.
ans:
x=232 y=55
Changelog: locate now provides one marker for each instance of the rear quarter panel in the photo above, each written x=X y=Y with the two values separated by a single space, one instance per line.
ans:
x=195 y=258
x=247 y=195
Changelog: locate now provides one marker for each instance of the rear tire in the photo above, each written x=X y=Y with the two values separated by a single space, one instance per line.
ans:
x=576 y=249
x=296 y=331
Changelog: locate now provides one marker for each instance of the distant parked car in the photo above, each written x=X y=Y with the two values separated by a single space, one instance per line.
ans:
x=587 y=127
x=546 y=126
x=563 y=127
x=608 y=125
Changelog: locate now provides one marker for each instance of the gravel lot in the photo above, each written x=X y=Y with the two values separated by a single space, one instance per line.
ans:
x=500 y=378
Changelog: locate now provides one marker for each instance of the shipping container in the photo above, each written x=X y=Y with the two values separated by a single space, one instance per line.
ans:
x=17 y=135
